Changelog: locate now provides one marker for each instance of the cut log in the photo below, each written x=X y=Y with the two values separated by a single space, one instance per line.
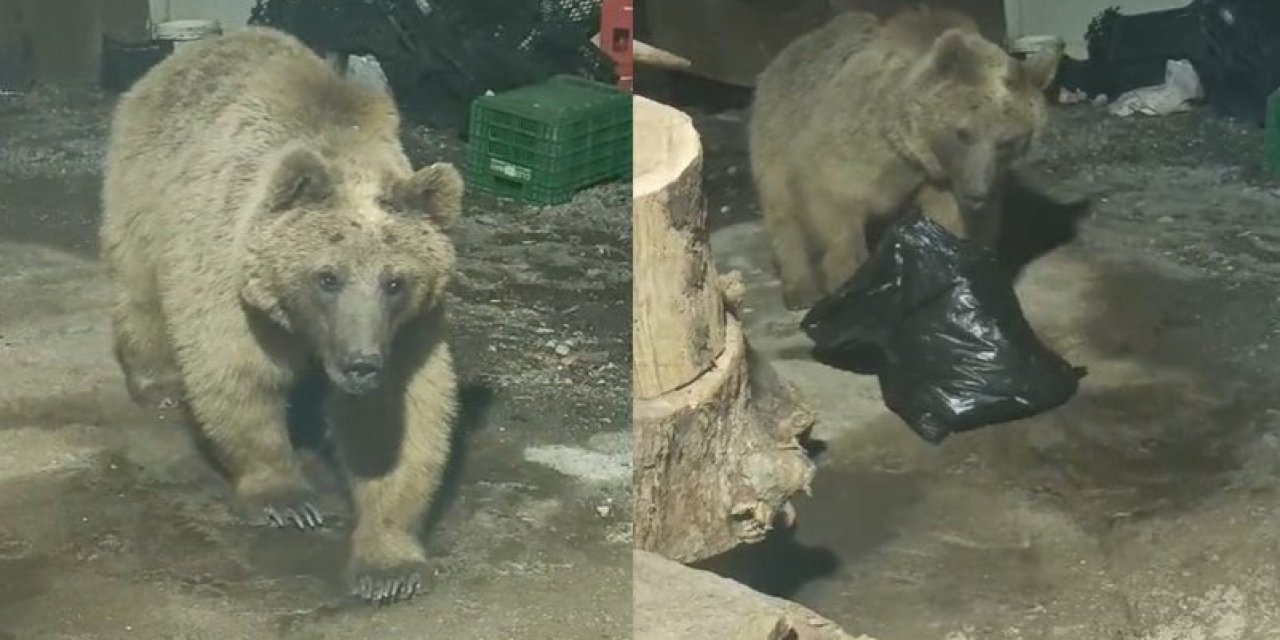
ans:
x=675 y=602
x=679 y=318
x=651 y=56
x=717 y=457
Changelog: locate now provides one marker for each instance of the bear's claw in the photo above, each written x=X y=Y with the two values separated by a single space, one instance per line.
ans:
x=385 y=586
x=290 y=506
x=304 y=516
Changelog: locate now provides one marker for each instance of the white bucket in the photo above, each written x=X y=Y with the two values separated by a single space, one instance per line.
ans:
x=183 y=32
x=1028 y=45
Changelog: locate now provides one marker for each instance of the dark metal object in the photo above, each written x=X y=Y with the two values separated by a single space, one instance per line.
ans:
x=123 y=64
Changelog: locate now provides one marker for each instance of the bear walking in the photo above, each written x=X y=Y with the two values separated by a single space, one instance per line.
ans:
x=860 y=118
x=262 y=220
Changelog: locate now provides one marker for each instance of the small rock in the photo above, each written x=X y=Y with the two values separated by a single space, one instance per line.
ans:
x=724 y=209
x=604 y=510
x=1166 y=219
x=562 y=349
x=732 y=170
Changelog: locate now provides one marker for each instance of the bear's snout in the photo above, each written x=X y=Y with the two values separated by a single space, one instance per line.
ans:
x=360 y=373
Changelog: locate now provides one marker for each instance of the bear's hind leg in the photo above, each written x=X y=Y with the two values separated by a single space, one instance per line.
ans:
x=794 y=262
x=846 y=250
x=395 y=478
x=792 y=256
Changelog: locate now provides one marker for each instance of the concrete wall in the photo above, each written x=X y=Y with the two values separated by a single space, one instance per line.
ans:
x=63 y=36
x=1069 y=19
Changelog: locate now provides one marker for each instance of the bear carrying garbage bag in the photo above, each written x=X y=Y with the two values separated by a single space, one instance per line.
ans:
x=936 y=318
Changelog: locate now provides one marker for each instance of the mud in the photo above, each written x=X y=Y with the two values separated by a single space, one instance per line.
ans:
x=113 y=526
x=1146 y=508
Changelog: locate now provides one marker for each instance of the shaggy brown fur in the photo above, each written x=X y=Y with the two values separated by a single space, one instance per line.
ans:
x=858 y=119
x=261 y=219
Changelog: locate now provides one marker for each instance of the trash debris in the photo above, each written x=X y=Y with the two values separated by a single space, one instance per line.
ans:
x=937 y=320
x=1230 y=43
x=439 y=56
x=1239 y=58
x=1071 y=96
x=1128 y=52
x=1181 y=87
x=367 y=69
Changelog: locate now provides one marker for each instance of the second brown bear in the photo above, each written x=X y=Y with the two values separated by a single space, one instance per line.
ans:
x=861 y=118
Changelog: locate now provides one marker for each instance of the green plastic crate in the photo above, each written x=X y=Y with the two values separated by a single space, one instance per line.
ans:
x=542 y=143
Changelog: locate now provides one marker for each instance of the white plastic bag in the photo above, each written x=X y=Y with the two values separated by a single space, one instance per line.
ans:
x=1181 y=86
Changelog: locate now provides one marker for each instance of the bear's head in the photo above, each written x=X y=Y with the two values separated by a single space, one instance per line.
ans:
x=977 y=110
x=342 y=254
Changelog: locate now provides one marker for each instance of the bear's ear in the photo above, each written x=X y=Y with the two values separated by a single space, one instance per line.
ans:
x=954 y=56
x=434 y=191
x=299 y=178
x=1042 y=67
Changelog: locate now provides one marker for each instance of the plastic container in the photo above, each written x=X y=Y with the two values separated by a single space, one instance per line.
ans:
x=542 y=143
x=183 y=32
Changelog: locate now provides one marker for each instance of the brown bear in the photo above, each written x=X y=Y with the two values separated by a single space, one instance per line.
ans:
x=262 y=221
x=858 y=119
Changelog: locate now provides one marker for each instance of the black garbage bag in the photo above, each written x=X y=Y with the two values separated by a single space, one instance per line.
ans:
x=937 y=319
x=439 y=55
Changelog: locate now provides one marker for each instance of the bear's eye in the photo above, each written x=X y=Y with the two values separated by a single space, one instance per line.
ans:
x=328 y=281
x=393 y=286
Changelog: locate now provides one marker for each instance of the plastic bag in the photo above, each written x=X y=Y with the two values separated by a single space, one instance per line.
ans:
x=937 y=319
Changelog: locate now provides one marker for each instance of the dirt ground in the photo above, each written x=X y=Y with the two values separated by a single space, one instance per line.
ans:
x=111 y=526
x=1144 y=509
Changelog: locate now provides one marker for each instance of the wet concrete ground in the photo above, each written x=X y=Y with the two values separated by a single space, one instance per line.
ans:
x=112 y=526
x=1144 y=509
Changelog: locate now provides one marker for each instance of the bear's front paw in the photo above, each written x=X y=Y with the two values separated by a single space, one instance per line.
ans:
x=383 y=584
x=283 y=504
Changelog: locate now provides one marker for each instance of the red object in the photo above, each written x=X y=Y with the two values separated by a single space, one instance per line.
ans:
x=615 y=38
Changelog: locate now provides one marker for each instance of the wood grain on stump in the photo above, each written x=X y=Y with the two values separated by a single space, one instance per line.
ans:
x=716 y=452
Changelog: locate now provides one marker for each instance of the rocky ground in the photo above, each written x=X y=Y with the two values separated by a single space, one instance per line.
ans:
x=111 y=526
x=1144 y=509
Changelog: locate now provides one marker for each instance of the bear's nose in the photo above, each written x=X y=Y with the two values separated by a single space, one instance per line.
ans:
x=363 y=367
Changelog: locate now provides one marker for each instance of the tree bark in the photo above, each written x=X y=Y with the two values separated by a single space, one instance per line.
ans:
x=717 y=456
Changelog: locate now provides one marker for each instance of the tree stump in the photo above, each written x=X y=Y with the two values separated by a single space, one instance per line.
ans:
x=716 y=452
x=675 y=602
